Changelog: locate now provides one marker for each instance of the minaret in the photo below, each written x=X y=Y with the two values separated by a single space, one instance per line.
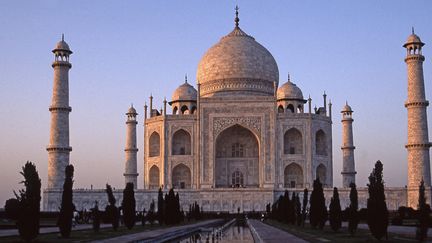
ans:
x=131 y=148
x=58 y=148
x=348 y=165
x=418 y=140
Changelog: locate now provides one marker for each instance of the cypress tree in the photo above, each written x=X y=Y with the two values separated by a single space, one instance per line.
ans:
x=151 y=213
x=335 y=211
x=352 y=210
x=160 y=206
x=423 y=214
x=128 y=205
x=29 y=203
x=305 y=202
x=143 y=218
x=298 y=211
x=179 y=213
x=318 y=209
x=95 y=213
x=67 y=206
x=111 y=209
x=291 y=209
x=377 y=214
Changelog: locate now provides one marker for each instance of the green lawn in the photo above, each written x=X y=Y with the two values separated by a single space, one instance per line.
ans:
x=89 y=235
x=328 y=235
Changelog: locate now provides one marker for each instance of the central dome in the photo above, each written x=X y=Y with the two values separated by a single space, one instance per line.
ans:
x=237 y=64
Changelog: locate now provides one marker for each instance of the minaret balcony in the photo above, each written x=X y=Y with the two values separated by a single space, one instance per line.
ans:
x=62 y=63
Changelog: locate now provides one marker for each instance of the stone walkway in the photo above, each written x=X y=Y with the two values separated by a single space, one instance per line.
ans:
x=266 y=233
x=47 y=230
x=161 y=234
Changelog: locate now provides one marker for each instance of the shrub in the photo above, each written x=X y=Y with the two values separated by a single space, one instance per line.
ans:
x=111 y=210
x=377 y=216
x=335 y=211
x=353 y=217
x=67 y=207
x=128 y=205
x=318 y=209
x=29 y=203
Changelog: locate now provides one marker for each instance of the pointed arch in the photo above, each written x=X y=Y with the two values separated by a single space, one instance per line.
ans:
x=320 y=143
x=193 y=110
x=181 y=143
x=185 y=109
x=154 y=145
x=181 y=177
x=293 y=142
x=321 y=173
x=154 y=177
x=293 y=176
x=236 y=150
x=280 y=109
x=175 y=110
x=290 y=107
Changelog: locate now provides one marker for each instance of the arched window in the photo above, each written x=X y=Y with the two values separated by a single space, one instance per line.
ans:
x=293 y=142
x=184 y=110
x=290 y=107
x=154 y=177
x=280 y=109
x=237 y=179
x=154 y=145
x=181 y=143
x=320 y=143
x=293 y=176
x=181 y=177
x=321 y=173
x=237 y=150
x=193 y=110
x=175 y=110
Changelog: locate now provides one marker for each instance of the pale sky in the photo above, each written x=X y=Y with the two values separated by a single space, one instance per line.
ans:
x=125 y=50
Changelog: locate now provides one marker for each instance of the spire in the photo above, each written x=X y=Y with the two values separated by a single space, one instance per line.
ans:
x=236 y=18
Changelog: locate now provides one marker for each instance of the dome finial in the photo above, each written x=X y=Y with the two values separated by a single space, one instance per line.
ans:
x=236 y=18
x=62 y=36
x=186 y=78
x=412 y=30
x=289 y=78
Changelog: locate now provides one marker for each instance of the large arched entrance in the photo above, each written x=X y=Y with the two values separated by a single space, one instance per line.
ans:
x=293 y=176
x=237 y=158
x=181 y=177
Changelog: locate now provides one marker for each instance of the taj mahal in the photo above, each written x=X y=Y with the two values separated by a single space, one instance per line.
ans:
x=239 y=138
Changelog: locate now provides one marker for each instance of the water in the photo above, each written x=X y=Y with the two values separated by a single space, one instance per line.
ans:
x=237 y=232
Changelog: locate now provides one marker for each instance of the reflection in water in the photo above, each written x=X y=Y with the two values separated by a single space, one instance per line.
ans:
x=236 y=232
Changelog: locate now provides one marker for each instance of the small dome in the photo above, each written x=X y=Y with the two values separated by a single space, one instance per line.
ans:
x=62 y=46
x=184 y=92
x=346 y=108
x=289 y=91
x=413 y=39
x=131 y=110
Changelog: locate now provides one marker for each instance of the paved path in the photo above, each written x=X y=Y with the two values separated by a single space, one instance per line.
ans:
x=160 y=234
x=46 y=230
x=266 y=233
